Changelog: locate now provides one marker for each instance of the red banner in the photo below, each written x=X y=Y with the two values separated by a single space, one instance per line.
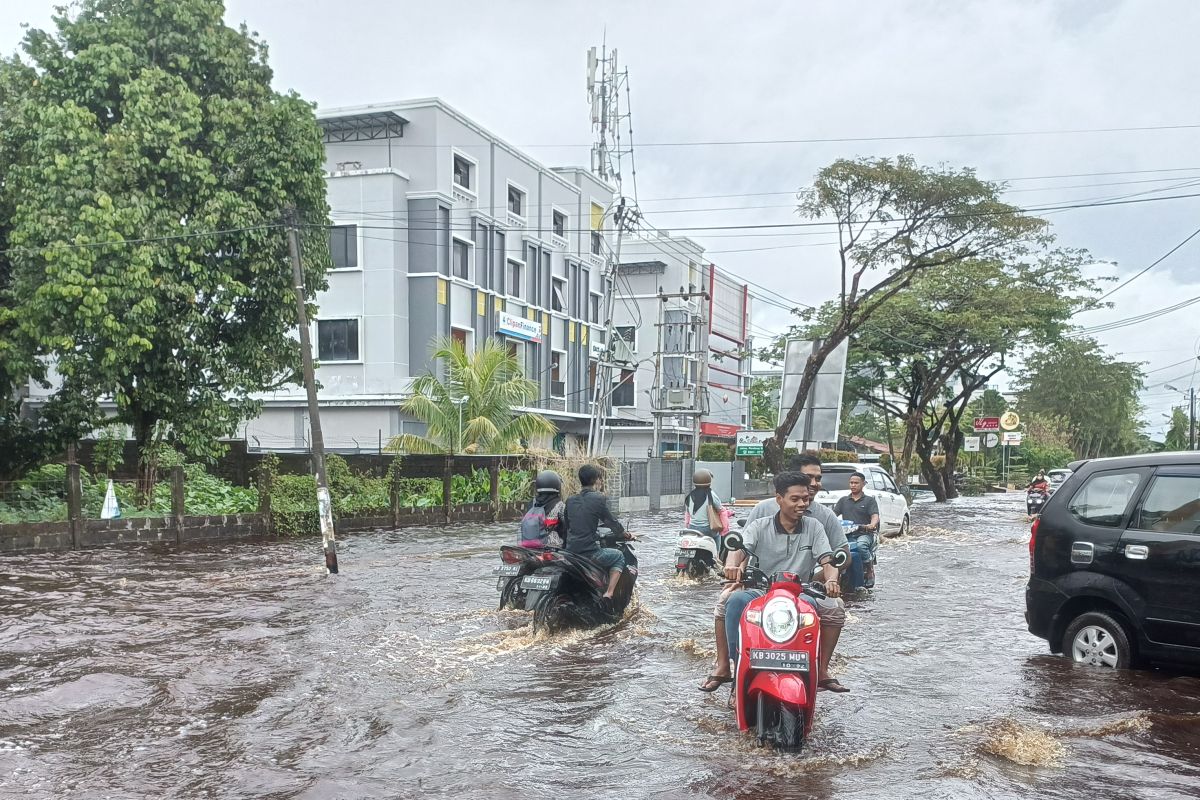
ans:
x=721 y=429
x=987 y=424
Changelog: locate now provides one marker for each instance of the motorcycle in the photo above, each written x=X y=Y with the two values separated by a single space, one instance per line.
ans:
x=861 y=553
x=516 y=563
x=1035 y=500
x=775 y=686
x=697 y=554
x=566 y=590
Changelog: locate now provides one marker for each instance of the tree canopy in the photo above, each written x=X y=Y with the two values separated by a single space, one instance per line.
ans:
x=146 y=162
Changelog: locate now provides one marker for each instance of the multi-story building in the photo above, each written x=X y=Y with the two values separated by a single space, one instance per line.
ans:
x=681 y=326
x=442 y=229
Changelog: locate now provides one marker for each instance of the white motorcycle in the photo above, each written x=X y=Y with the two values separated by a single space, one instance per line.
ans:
x=697 y=554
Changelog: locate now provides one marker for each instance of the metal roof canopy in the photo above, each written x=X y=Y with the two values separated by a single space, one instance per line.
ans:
x=642 y=267
x=372 y=126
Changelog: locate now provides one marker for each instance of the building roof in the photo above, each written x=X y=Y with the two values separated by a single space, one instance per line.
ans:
x=363 y=127
x=877 y=447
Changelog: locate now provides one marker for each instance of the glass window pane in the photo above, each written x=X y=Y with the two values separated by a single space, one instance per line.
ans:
x=343 y=246
x=1104 y=498
x=1172 y=504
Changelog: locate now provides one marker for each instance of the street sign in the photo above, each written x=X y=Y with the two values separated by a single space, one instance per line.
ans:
x=820 y=415
x=986 y=424
x=991 y=440
x=1012 y=438
x=750 y=443
x=1009 y=421
x=971 y=444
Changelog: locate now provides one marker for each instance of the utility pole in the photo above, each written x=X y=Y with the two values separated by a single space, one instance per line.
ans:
x=690 y=347
x=1192 y=418
x=324 y=505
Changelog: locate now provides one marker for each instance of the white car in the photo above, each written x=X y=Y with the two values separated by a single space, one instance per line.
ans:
x=893 y=507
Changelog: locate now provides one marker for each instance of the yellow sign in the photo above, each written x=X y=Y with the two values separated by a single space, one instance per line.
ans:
x=481 y=305
x=571 y=332
x=583 y=334
x=441 y=292
x=529 y=312
x=545 y=324
x=1009 y=421
x=499 y=303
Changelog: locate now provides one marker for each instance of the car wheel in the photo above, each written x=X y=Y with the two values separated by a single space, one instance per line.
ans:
x=1099 y=640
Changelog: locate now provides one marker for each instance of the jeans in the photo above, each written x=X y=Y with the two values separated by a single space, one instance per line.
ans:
x=610 y=558
x=734 y=607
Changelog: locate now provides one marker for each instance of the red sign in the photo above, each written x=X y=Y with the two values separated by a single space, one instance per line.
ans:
x=729 y=431
x=985 y=424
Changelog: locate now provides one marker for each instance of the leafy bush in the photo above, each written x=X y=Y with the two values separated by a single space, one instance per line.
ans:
x=715 y=451
x=837 y=456
x=109 y=451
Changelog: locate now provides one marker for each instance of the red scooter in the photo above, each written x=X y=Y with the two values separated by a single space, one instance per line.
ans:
x=775 y=688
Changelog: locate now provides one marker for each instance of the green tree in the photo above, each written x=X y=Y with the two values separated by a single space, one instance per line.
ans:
x=472 y=409
x=764 y=402
x=946 y=335
x=1178 y=435
x=1094 y=394
x=895 y=220
x=146 y=162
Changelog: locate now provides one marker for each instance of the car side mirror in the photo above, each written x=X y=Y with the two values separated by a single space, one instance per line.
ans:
x=733 y=542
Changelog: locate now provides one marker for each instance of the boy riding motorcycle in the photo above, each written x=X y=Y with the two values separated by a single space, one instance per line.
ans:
x=580 y=523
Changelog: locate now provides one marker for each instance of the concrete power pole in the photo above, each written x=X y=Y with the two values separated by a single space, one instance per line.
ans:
x=324 y=504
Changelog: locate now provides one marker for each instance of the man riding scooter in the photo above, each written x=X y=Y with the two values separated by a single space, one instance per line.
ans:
x=788 y=541
x=863 y=511
x=580 y=524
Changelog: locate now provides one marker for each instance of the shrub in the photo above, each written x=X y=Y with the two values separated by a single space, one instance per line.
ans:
x=715 y=451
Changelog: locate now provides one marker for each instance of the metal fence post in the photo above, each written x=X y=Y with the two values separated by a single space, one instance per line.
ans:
x=494 y=494
x=447 y=486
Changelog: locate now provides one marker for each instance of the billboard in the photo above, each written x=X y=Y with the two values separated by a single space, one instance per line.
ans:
x=821 y=416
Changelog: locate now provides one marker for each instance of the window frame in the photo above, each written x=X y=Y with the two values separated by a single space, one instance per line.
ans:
x=618 y=381
x=358 y=247
x=359 y=335
x=561 y=355
x=1135 y=520
x=472 y=171
x=558 y=295
x=594 y=310
x=514 y=285
x=555 y=213
x=597 y=248
x=524 y=193
x=1130 y=504
x=455 y=239
x=468 y=337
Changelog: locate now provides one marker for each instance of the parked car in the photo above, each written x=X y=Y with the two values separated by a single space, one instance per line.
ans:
x=1057 y=477
x=1114 y=563
x=893 y=506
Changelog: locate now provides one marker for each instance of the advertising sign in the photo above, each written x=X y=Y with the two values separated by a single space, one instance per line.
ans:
x=750 y=443
x=1012 y=438
x=986 y=424
x=821 y=412
x=991 y=440
x=527 y=329
x=971 y=444
x=718 y=429
x=1009 y=421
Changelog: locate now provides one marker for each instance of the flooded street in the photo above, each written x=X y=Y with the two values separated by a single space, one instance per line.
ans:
x=245 y=672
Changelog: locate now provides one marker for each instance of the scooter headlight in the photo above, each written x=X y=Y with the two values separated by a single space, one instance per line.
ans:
x=779 y=620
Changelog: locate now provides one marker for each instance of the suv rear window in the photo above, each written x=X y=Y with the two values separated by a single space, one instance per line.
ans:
x=1104 y=498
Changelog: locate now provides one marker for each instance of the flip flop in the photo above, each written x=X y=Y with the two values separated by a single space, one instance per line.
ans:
x=831 y=685
x=721 y=680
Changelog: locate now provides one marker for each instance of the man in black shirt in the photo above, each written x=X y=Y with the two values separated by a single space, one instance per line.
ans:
x=581 y=521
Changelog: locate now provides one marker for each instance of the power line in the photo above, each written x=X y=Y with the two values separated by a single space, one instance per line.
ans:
x=1154 y=264
x=146 y=240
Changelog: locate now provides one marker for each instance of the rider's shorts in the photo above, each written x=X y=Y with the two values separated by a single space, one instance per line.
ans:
x=610 y=558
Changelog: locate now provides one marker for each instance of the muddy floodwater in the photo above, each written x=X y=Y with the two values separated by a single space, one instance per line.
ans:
x=244 y=672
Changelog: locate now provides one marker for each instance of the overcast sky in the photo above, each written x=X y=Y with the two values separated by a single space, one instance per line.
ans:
x=757 y=70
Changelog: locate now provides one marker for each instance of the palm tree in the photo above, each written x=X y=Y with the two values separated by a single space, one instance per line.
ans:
x=471 y=410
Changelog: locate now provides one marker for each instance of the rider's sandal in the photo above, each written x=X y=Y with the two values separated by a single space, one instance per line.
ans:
x=832 y=685
x=720 y=680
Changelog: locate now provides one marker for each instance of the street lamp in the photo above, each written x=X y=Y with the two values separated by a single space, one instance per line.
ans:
x=460 y=402
x=1191 y=393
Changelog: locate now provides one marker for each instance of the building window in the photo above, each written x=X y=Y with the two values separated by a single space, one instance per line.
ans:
x=516 y=201
x=516 y=350
x=623 y=389
x=514 y=278
x=597 y=243
x=558 y=295
x=462 y=172
x=460 y=260
x=594 y=308
x=560 y=224
x=461 y=337
x=337 y=340
x=343 y=246
x=558 y=385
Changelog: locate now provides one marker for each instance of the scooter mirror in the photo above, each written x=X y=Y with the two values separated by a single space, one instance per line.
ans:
x=840 y=557
x=742 y=522
x=733 y=542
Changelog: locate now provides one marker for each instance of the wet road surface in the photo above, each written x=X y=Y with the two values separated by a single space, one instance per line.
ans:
x=245 y=672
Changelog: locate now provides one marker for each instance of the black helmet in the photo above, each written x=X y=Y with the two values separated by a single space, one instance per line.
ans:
x=547 y=481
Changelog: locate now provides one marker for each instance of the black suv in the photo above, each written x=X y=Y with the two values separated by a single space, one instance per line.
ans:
x=1114 y=562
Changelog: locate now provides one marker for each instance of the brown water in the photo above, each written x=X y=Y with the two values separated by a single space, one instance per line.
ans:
x=245 y=672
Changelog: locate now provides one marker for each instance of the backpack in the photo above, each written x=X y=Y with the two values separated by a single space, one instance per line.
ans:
x=539 y=526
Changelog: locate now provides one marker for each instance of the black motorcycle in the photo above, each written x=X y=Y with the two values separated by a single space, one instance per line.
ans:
x=516 y=563
x=1035 y=501
x=566 y=590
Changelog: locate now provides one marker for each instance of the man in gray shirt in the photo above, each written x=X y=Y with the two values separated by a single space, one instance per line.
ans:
x=788 y=541
x=809 y=465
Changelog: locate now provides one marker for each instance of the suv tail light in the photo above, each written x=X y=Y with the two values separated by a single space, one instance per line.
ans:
x=1033 y=541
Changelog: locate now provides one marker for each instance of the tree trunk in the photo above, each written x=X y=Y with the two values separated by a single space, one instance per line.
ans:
x=930 y=472
x=912 y=426
x=951 y=443
x=145 y=434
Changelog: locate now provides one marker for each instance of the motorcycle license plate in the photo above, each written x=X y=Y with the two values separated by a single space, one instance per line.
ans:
x=506 y=570
x=779 y=660
x=537 y=583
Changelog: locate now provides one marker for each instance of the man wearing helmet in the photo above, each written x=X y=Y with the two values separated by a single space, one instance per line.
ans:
x=540 y=525
x=699 y=502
